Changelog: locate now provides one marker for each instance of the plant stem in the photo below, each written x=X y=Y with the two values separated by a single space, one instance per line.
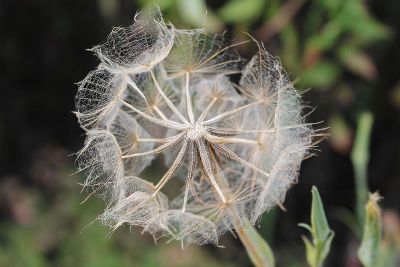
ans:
x=360 y=159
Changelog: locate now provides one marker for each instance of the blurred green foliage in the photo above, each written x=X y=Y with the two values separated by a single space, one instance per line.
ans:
x=369 y=250
x=377 y=248
x=64 y=234
x=332 y=36
x=237 y=11
x=360 y=158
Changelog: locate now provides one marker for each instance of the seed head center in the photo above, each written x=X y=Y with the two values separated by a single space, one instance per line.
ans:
x=195 y=132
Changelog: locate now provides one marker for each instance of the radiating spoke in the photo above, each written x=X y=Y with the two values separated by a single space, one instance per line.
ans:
x=136 y=88
x=219 y=52
x=189 y=106
x=205 y=112
x=228 y=140
x=232 y=155
x=177 y=138
x=156 y=140
x=168 y=124
x=193 y=164
x=167 y=100
x=171 y=171
x=237 y=131
x=229 y=113
x=206 y=70
x=205 y=160
x=185 y=198
x=160 y=113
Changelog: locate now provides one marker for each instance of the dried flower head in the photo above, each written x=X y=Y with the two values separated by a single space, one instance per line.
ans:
x=160 y=92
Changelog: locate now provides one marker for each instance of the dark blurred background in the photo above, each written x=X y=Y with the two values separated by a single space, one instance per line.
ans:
x=343 y=54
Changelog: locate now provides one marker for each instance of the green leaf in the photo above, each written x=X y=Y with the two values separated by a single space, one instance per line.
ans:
x=326 y=38
x=332 y=6
x=241 y=11
x=368 y=252
x=355 y=19
x=319 y=222
x=192 y=12
x=290 y=53
x=322 y=235
x=163 y=4
x=267 y=225
x=357 y=62
x=327 y=246
x=311 y=254
x=257 y=248
x=340 y=132
x=321 y=75
x=195 y=13
x=305 y=226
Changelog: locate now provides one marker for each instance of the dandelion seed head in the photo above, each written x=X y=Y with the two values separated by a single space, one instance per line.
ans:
x=161 y=92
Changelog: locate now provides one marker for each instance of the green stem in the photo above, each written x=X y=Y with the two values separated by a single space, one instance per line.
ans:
x=360 y=159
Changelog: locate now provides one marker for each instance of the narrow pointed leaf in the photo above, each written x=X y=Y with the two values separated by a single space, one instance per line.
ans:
x=310 y=252
x=327 y=246
x=319 y=223
x=317 y=249
x=305 y=226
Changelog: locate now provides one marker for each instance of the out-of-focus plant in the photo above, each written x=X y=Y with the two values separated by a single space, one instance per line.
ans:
x=390 y=244
x=59 y=236
x=193 y=13
x=321 y=235
x=369 y=250
x=338 y=43
x=322 y=48
x=360 y=159
x=380 y=243
x=244 y=12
